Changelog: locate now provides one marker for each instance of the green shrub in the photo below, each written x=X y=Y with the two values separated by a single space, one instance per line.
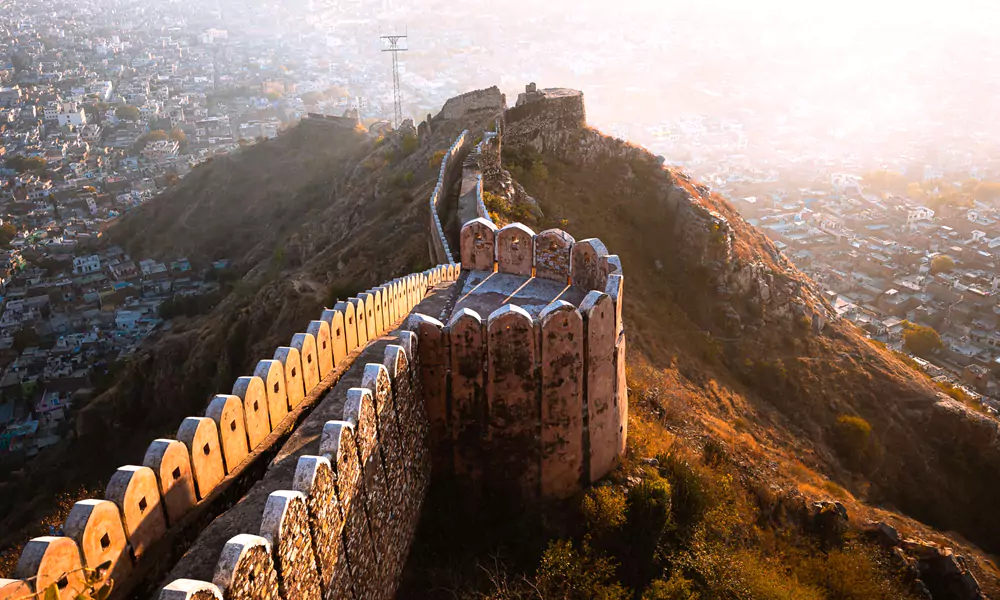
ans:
x=689 y=496
x=566 y=574
x=675 y=588
x=435 y=161
x=648 y=520
x=603 y=509
x=852 y=438
x=410 y=145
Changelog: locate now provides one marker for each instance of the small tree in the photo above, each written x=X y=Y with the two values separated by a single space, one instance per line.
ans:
x=7 y=233
x=920 y=340
x=127 y=113
x=988 y=190
x=942 y=264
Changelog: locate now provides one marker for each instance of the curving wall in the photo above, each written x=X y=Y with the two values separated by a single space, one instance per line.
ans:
x=537 y=401
x=450 y=169
x=362 y=465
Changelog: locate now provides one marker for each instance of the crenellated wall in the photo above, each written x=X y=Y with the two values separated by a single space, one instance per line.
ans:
x=372 y=458
x=307 y=479
x=451 y=169
x=524 y=381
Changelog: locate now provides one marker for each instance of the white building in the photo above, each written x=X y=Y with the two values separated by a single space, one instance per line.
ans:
x=86 y=264
x=65 y=113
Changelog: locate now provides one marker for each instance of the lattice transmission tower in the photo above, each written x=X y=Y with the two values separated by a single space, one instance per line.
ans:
x=394 y=47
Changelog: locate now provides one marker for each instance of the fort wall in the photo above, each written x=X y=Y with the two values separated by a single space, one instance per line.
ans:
x=451 y=169
x=533 y=401
x=307 y=480
x=149 y=509
x=485 y=100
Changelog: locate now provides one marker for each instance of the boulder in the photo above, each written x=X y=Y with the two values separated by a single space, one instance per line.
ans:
x=883 y=534
x=830 y=521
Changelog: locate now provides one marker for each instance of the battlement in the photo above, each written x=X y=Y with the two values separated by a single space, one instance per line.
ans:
x=181 y=483
x=451 y=169
x=307 y=478
x=534 y=395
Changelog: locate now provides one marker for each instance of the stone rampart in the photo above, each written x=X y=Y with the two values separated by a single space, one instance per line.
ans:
x=451 y=169
x=300 y=549
x=528 y=396
x=485 y=100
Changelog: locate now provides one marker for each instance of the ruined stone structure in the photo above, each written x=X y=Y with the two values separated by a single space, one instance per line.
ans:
x=307 y=478
x=489 y=100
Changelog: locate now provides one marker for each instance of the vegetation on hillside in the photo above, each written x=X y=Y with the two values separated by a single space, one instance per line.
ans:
x=675 y=521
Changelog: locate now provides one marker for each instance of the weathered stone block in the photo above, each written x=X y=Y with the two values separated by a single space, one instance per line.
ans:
x=305 y=343
x=251 y=391
x=285 y=526
x=552 y=255
x=599 y=325
x=96 y=527
x=227 y=412
x=515 y=249
x=339 y=442
x=561 y=348
x=433 y=350
x=245 y=570
x=350 y=327
x=361 y=318
x=171 y=462
x=52 y=561
x=512 y=398
x=588 y=270
x=478 y=245
x=202 y=439
x=370 y=323
x=190 y=589
x=320 y=330
x=467 y=337
x=292 y=365
x=314 y=478
x=137 y=494
x=272 y=373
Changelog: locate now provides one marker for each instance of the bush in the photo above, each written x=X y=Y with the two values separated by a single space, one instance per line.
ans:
x=853 y=435
x=675 y=588
x=435 y=162
x=688 y=493
x=920 y=340
x=942 y=264
x=603 y=509
x=566 y=574
x=410 y=145
x=648 y=520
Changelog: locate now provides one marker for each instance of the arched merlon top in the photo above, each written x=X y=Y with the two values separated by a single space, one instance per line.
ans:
x=552 y=254
x=515 y=249
x=179 y=475
x=566 y=357
x=478 y=243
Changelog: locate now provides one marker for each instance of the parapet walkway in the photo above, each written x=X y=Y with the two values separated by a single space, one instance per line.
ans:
x=200 y=561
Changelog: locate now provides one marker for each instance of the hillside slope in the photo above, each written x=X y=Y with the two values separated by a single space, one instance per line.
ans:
x=739 y=348
x=318 y=213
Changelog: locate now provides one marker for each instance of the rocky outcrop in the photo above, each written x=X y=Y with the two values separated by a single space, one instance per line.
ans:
x=753 y=289
x=488 y=100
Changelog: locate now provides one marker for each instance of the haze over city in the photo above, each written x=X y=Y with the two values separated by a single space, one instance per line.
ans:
x=440 y=300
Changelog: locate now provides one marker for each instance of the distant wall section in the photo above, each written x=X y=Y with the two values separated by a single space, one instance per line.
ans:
x=451 y=169
x=485 y=100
